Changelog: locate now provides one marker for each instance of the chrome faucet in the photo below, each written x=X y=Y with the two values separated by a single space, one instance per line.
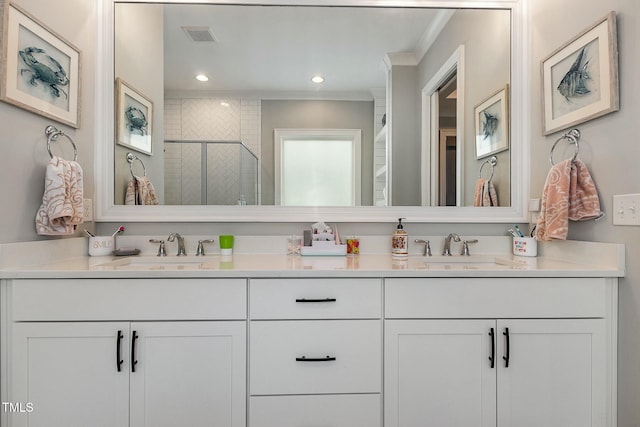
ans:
x=427 y=246
x=172 y=237
x=447 y=243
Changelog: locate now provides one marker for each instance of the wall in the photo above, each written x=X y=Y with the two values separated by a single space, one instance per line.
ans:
x=609 y=146
x=22 y=138
x=137 y=28
x=405 y=136
x=487 y=69
x=317 y=115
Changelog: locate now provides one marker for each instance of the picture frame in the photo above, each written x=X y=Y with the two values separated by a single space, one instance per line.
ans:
x=40 y=70
x=491 y=119
x=134 y=118
x=580 y=79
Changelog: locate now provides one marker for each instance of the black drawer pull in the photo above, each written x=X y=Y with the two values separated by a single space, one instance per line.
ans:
x=316 y=300
x=315 y=359
x=134 y=362
x=508 y=349
x=119 y=361
x=492 y=358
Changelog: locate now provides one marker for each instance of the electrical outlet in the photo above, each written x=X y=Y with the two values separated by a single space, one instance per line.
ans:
x=88 y=210
x=626 y=209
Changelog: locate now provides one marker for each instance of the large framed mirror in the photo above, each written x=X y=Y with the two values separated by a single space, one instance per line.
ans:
x=215 y=142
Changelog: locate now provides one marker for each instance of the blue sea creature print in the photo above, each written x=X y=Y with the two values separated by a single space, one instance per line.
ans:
x=572 y=84
x=136 y=121
x=44 y=69
x=489 y=125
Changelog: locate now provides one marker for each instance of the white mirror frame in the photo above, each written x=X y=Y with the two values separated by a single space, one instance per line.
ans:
x=107 y=211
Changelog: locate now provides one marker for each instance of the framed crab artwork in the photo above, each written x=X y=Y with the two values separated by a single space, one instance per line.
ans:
x=580 y=79
x=134 y=115
x=40 y=69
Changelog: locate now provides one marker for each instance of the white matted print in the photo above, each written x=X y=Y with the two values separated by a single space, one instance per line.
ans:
x=40 y=69
x=492 y=124
x=134 y=115
x=580 y=79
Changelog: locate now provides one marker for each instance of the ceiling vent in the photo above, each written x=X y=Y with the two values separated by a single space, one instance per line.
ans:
x=200 y=34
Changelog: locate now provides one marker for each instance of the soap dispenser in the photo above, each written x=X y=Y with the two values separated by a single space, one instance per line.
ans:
x=400 y=241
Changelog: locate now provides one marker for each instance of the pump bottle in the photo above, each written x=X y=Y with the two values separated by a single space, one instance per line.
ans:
x=400 y=241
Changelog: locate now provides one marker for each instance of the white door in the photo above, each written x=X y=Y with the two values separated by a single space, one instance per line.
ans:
x=556 y=375
x=69 y=373
x=438 y=373
x=188 y=374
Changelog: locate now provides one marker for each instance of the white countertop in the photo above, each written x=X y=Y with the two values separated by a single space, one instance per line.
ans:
x=562 y=259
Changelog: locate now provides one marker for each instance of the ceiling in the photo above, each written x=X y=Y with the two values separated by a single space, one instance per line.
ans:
x=277 y=49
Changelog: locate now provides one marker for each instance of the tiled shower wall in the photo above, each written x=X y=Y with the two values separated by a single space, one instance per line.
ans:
x=207 y=119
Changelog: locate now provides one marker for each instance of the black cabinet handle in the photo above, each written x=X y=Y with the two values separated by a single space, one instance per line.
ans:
x=119 y=361
x=492 y=358
x=134 y=362
x=315 y=359
x=506 y=356
x=316 y=300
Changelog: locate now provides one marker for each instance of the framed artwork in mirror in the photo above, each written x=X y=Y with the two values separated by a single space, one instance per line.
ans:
x=492 y=124
x=40 y=69
x=134 y=118
x=580 y=79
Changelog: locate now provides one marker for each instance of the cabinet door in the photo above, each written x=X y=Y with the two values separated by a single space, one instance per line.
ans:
x=68 y=372
x=438 y=373
x=189 y=374
x=556 y=375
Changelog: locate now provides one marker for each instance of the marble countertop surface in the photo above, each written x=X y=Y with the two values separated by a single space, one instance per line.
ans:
x=566 y=259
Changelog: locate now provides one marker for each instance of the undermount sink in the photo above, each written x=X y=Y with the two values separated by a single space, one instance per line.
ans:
x=461 y=259
x=159 y=263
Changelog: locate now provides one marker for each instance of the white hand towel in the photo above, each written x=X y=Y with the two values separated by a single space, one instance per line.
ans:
x=62 y=202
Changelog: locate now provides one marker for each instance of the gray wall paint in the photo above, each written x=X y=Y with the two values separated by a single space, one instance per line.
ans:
x=609 y=146
x=22 y=138
x=485 y=35
x=405 y=136
x=137 y=28
x=317 y=115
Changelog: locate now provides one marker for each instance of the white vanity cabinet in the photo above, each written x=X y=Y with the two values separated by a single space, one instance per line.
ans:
x=157 y=353
x=506 y=352
x=315 y=352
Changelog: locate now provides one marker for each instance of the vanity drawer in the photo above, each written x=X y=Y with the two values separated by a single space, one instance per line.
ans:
x=495 y=298
x=345 y=410
x=315 y=298
x=128 y=299
x=283 y=352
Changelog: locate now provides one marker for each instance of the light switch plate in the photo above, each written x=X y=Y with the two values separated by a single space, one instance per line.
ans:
x=626 y=209
x=87 y=215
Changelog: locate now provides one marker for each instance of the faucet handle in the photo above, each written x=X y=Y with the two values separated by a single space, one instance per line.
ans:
x=465 y=246
x=427 y=246
x=200 y=249
x=161 y=250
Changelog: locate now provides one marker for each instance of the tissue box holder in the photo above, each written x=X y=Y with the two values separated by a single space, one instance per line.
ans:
x=319 y=247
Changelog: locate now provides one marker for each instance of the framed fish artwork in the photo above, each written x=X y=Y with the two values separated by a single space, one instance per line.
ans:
x=580 y=79
x=492 y=124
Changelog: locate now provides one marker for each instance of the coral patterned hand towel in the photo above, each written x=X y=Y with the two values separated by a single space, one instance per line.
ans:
x=62 y=202
x=569 y=194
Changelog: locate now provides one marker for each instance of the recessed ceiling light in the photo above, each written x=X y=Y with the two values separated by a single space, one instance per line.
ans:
x=317 y=79
x=225 y=104
x=202 y=78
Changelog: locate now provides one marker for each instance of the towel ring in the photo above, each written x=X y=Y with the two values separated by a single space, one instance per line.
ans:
x=131 y=158
x=493 y=161
x=53 y=134
x=573 y=136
